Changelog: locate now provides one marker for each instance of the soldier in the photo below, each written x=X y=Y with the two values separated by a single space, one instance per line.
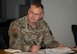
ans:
x=31 y=32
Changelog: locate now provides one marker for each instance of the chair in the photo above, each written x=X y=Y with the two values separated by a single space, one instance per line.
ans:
x=2 y=42
x=74 y=30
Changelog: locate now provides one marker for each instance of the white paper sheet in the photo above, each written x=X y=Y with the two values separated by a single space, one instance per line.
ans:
x=12 y=50
x=59 y=50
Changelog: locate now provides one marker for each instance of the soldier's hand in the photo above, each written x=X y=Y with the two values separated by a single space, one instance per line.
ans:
x=61 y=45
x=35 y=48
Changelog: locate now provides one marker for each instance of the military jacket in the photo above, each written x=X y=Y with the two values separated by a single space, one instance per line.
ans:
x=23 y=36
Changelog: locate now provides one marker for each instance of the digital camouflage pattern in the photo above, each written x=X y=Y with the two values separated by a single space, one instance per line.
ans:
x=22 y=35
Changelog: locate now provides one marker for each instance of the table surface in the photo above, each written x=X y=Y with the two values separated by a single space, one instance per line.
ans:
x=3 y=52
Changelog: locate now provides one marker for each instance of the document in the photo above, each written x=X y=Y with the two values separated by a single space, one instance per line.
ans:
x=59 y=50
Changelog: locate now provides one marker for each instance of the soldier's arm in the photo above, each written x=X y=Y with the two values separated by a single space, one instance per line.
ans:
x=16 y=41
x=12 y=32
x=49 y=40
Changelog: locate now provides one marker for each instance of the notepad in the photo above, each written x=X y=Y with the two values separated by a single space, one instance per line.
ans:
x=12 y=50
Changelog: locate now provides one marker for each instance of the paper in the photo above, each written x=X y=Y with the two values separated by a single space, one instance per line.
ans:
x=59 y=50
x=30 y=53
x=23 y=53
x=12 y=50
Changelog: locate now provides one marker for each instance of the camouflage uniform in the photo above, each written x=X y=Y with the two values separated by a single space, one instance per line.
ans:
x=22 y=35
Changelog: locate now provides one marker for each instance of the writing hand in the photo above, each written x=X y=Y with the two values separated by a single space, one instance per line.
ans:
x=61 y=45
x=35 y=48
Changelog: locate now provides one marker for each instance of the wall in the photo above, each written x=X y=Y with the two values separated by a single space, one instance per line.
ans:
x=12 y=8
x=60 y=15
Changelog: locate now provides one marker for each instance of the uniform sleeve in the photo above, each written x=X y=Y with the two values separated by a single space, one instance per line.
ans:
x=49 y=40
x=16 y=41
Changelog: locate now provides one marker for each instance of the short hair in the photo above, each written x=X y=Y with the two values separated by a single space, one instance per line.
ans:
x=37 y=4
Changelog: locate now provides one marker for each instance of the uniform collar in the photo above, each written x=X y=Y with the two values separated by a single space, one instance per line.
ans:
x=29 y=27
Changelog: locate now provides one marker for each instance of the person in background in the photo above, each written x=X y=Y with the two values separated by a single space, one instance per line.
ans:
x=31 y=32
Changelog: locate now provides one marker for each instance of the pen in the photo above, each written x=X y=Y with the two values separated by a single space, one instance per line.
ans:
x=34 y=42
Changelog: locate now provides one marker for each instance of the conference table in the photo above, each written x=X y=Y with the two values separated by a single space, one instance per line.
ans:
x=3 y=52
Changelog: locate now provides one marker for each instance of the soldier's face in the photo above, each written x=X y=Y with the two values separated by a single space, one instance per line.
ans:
x=34 y=14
